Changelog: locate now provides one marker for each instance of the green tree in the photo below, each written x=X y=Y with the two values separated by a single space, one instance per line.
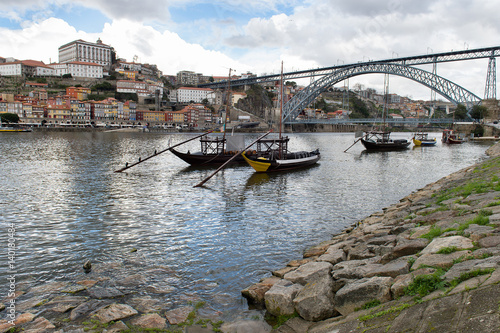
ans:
x=479 y=112
x=460 y=112
x=9 y=117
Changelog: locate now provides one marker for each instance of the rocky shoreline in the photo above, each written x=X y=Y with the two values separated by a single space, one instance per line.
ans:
x=427 y=263
x=424 y=264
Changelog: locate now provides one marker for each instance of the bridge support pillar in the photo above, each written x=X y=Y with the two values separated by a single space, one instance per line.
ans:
x=490 y=90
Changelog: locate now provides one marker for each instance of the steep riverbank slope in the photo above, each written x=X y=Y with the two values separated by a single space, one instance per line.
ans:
x=428 y=263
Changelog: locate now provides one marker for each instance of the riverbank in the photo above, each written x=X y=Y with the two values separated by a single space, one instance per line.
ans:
x=84 y=302
x=428 y=263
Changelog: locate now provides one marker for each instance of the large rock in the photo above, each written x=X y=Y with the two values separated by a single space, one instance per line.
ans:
x=472 y=265
x=255 y=293
x=406 y=247
x=315 y=301
x=246 y=326
x=333 y=255
x=359 y=252
x=309 y=272
x=491 y=241
x=86 y=308
x=360 y=292
x=391 y=269
x=151 y=321
x=115 y=312
x=179 y=315
x=439 y=260
x=460 y=242
x=279 y=299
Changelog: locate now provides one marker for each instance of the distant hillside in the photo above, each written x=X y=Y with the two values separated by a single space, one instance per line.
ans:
x=258 y=102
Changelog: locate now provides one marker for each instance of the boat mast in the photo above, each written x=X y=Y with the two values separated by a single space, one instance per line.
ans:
x=281 y=110
x=226 y=114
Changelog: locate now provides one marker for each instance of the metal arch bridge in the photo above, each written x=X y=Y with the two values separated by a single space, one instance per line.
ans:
x=396 y=66
x=448 y=89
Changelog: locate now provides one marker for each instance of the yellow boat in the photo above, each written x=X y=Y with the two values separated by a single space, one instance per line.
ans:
x=289 y=161
x=422 y=139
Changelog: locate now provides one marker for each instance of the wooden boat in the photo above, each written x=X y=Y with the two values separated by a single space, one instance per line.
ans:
x=422 y=139
x=381 y=140
x=279 y=158
x=14 y=129
x=450 y=137
x=288 y=161
x=213 y=151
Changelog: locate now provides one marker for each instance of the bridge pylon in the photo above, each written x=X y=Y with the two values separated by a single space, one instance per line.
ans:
x=490 y=90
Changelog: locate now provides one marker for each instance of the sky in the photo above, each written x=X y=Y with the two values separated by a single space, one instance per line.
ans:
x=212 y=36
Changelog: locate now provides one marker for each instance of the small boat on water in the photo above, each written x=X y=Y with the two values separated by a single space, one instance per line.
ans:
x=422 y=139
x=214 y=151
x=14 y=129
x=279 y=158
x=450 y=137
x=381 y=140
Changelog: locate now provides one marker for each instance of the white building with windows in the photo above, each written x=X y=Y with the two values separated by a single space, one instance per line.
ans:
x=196 y=95
x=82 y=51
x=79 y=69
x=25 y=67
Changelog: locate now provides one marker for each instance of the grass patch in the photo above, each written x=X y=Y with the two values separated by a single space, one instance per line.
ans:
x=439 y=209
x=447 y=250
x=277 y=321
x=433 y=233
x=371 y=304
x=392 y=309
x=493 y=204
x=469 y=275
x=423 y=285
x=479 y=220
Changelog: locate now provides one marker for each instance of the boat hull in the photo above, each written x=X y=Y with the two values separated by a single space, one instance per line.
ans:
x=417 y=142
x=199 y=159
x=261 y=164
x=385 y=146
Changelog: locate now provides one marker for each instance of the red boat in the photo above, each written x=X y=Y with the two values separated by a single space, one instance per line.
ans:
x=449 y=136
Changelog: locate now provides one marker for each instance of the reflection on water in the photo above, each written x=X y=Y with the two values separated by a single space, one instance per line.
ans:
x=68 y=204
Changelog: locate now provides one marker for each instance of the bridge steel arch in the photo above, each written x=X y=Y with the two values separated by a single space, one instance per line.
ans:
x=451 y=91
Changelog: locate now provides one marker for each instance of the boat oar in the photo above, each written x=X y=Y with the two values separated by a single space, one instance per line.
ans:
x=128 y=166
x=229 y=160
x=352 y=145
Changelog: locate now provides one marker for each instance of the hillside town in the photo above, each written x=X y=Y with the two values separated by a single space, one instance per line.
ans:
x=91 y=86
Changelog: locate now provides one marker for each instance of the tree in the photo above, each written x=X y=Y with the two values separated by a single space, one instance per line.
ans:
x=460 y=112
x=67 y=76
x=479 y=112
x=9 y=117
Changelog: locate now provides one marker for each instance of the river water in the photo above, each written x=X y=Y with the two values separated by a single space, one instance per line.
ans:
x=68 y=205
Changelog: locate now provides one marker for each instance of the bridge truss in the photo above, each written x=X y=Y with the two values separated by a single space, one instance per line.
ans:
x=446 y=88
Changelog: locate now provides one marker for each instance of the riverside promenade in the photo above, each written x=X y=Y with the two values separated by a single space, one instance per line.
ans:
x=426 y=264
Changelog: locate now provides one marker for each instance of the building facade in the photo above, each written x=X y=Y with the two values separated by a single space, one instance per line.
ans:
x=82 y=51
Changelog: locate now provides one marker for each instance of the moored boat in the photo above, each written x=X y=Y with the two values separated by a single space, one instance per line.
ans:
x=450 y=137
x=214 y=151
x=422 y=139
x=381 y=140
x=14 y=129
x=288 y=161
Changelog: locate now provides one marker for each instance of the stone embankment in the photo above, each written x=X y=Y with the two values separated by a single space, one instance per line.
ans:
x=428 y=263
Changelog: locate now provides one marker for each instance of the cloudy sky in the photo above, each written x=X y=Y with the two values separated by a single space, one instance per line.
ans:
x=211 y=36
